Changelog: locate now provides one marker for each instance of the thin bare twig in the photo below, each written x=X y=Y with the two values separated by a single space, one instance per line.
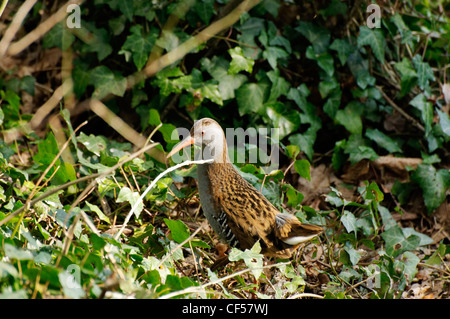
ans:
x=193 y=42
x=178 y=247
x=400 y=110
x=305 y=295
x=153 y=183
x=3 y=6
x=200 y=289
x=124 y=129
x=36 y=186
x=42 y=28
x=15 y=25
x=69 y=235
x=82 y=179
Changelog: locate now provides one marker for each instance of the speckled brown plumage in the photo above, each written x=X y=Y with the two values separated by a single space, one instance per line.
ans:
x=250 y=216
x=236 y=210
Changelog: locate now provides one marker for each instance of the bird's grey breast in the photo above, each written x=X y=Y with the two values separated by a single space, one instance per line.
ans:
x=210 y=209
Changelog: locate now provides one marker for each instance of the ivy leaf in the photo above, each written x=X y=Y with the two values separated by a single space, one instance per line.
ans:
x=140 y=45
x=373 y=38
x=362 y=152
x=424 y=72
x=249 y=29
x=350 y=117
x=172 y=81
x=294 y=197
x=333 y=102
x=81 y=78
x=127 y=8
x=409 y=262
x=336 y=198
x=383 y=140
x=272 y=54
x=338 y=159
x=424 y=239
x=444 y=121
x=407 y=74
x=324 y=60
x=317 y=35
x=305 y=142
x=99 y=43
x=303 y=168
x=343 y=48
x=58 y=36
x=433 y=183
x=404 y=31
x=388 y=220
x=360 y=69
x=336 y=7
x=27 y=84
x=218 y=68
x=47 y=150
x=253 y=259
x=229 y=84
x=271 y=6
x=96 y=209
x=284 y=119
x=280 y=41
x=353 y=255
x=250 y=98
x=11 y=109
x=397 y=242
x=436 y=258
x=13 y=252
x=306 y=139
x=71 y=286
x=349 y=221
x=117 y=25
x=426 y=109
x=106 y=82
x=127 y=195
x=211 y=92
x=239 y=62
x=279 y=85
x=93 y=143
x=204 y=9
x=327 y=86
x=179 y=230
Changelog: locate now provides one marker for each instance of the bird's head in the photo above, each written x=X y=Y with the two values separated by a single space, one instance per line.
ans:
x=207 y=134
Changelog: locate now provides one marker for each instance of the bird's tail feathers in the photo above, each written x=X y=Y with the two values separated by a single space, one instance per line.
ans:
x=291 y=231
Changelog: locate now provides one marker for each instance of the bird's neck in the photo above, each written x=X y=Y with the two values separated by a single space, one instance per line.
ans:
x=218 y=152
x=213 y=176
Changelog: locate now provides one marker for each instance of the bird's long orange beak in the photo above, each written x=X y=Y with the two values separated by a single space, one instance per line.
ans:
x=185 y=142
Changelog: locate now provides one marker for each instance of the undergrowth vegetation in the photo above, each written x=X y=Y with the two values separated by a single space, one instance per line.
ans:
x=364 y=129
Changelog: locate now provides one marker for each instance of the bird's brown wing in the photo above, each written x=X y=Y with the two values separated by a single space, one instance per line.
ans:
x=250 y=217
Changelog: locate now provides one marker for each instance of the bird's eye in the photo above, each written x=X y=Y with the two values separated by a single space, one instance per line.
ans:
x=203 y=132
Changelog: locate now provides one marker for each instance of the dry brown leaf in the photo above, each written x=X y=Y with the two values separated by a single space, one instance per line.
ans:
x=397 y=163
x=394 y=123
x=357 y=172
x=442 y=214
x=418 y=291
x=405 y=216
x=321 y=179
